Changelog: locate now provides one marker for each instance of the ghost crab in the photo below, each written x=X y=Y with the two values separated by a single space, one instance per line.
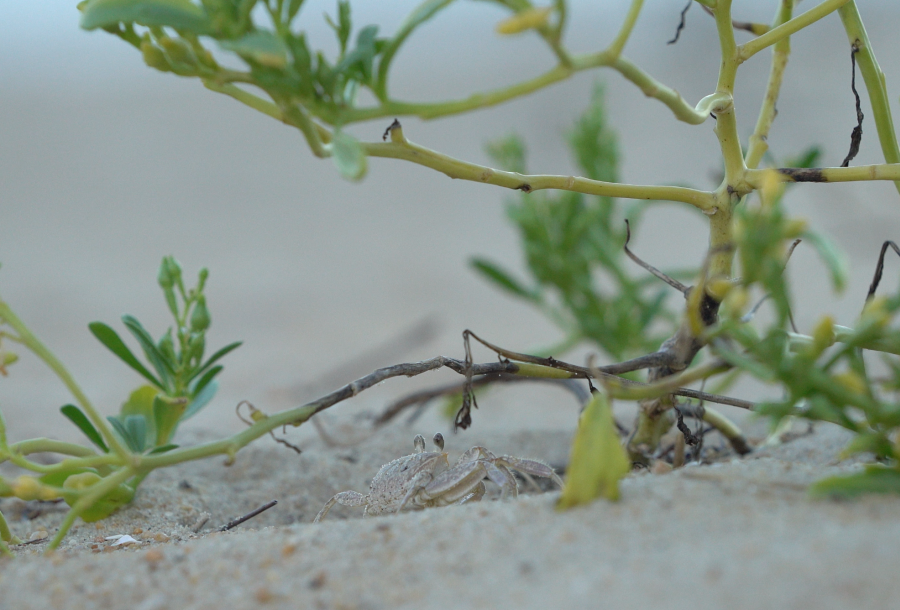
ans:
x=425 y=478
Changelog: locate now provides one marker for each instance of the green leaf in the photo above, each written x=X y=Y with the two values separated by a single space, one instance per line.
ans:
x=203 y=396
x=502 y=279
x=166 y=415
x=136 y=425
x=807 y=158
x=219 y=354
x=76 y=484
x=422 y=13
x=133 y=434
x=874 y=479
x=140 y=402
x=57 y=479
x=262 y=46
x=163 y=367
x=180 y=14
x=593 y=143
x=342 y=27
x=875 y=443
x=77 y=417
x=163 y=449
x=108 y=337
x=832 y=258
x=363 y=56
x=293 y=8
x=598 y=460
x=348 y=156
x=508 y=153
x=203 y=381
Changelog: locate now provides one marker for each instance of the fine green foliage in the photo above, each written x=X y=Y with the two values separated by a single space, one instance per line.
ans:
x=823 y=377
x=183 y=382
x=573 y=243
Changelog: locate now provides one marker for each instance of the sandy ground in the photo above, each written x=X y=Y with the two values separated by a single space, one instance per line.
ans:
x=733 y=534
x=106 y=166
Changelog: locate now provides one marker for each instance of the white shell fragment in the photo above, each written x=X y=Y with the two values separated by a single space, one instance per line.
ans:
x=122 y=539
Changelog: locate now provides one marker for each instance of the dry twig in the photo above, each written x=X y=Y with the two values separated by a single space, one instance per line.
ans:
x=248 y=516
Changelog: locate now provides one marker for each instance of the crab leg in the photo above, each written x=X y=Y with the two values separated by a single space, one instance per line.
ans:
x=500 y=475
x=475 y=496
x=455 y=484
x=419 y=483
x=529 y=467
x=345 y=498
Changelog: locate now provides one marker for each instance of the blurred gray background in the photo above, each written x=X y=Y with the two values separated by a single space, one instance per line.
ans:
x=106 y=166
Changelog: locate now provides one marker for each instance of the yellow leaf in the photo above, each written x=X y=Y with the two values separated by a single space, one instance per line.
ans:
x=528 y=19
x=598 y=461
x=140 y=402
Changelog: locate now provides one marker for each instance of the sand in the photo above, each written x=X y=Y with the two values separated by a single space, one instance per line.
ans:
x=734 y=534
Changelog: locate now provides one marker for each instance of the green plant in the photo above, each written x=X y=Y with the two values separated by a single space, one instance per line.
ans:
x=183 y=383
x=567 y=236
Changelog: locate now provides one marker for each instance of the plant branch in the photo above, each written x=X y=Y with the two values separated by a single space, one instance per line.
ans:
x=424 y=396
x=614 y=50
x=40 y=350
x=843 y=334
x=879 y=268
x=294 y=417
x=246 y=98
x=726 y=123
x=884 y=171
x=720 y=423
x=84 y=456
x=401 y=148
x=668 y=96
x=665 y=385
x=90 y=496
x=752 y=47
x=758 y=141
x=49 y=445
x=422 y=13
x=6 y=535
x=875 y=82
x=650 y=268
x=647 y=84
x=297 y=115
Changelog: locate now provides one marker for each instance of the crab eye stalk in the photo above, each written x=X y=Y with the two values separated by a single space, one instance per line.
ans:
x=419 y=443
x=439 y=441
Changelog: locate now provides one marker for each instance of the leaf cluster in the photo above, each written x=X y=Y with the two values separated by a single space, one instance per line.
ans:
x=181 y=381
x=823 y=377
x=260 y=33
x=573 y=248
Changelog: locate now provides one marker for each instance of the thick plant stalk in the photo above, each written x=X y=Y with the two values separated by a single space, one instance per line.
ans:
x=27 y=338
x=782 y=50
x=875 y=83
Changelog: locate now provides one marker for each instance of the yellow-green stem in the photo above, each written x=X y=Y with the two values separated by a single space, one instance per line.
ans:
x=6 y=534
x=752 y=47
x=725 y=426
x=615 y=48
x=758 y=144
x=91 y=495
x=875 y=83
x=886 y=171
x=464 y=170
x=666 y=384
x=41 y=351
